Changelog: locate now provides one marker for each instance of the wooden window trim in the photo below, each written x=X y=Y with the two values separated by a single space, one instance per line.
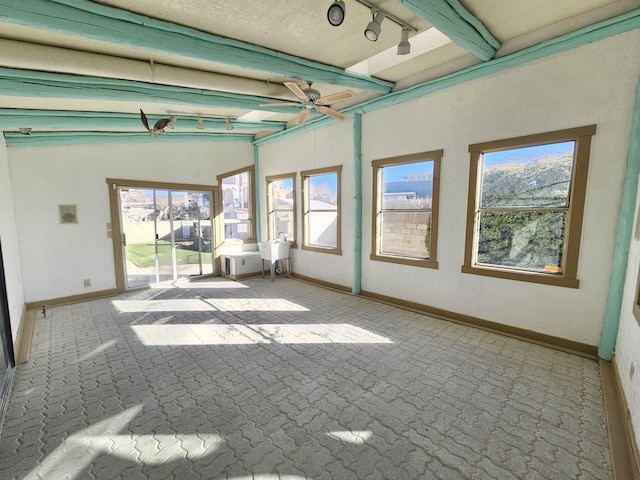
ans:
x=573 y=231
x=252 y=217
x=376 y=255
x=270 y=233
x=304 y=175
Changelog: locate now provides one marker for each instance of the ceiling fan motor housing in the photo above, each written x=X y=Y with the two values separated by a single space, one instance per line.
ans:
x=312 y=93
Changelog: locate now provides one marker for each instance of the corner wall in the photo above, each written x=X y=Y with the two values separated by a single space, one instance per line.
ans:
x=10 y=250
x=57 y=258
x=587 y=85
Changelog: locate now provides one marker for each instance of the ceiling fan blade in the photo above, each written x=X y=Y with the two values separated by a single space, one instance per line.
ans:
x=281 y=104
x=304 y=114
x=332 y=113
x=336 y=97
x=296 y=90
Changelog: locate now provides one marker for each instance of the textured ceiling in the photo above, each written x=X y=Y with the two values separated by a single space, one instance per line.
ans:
x=178 y=53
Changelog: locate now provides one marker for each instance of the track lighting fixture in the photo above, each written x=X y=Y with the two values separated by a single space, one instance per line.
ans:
x=228 y=123
x=25 y=131
x=404 y=47
x=372 y=32
x=335 y=14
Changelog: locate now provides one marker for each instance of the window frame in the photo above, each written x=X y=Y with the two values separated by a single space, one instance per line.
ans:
x=251 y=207
x=304 y=177
x=378 y=166
x=271 y=211
x=575 y=212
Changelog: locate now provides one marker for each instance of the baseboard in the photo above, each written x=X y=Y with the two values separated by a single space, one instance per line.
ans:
x=557 y=343
x=321 y=283
x=625 y=453
x=22 y=344
x=83 y=297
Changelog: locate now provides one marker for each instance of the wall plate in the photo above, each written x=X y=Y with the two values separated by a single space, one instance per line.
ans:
x=68 y=213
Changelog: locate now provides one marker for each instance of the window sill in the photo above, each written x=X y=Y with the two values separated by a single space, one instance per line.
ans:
x=413 y=262
x=532 y=277
x=331 y=251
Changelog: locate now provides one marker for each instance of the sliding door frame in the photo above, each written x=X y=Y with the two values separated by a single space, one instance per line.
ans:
x=116 y=228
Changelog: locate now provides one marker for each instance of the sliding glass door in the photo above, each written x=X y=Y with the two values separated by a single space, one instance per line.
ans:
x=6 y=342
x=166 y=234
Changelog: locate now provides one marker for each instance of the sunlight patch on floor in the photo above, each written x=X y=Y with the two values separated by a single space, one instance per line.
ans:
x=255 y=305
x=96 y=351
x=357 y=437
x=241 y=334
x=75 y=454
x=204 y=305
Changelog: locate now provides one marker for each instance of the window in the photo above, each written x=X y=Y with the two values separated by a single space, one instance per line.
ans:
x=525 y=207
x=281 y=206
x=237 y=205
x=405 y=209
x=321 y=216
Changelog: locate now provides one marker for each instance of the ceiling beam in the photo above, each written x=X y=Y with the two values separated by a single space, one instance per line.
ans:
x=47 y=139
x=598 y=31
x=457 y=23
x=74 y=120
x=82 y=18
x=34 y=84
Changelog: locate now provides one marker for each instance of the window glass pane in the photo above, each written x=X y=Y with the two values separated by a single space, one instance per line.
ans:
x=537 y=176
x=406 y=233
x=531 y=240
x=283 y=224
x=236 y=201
x=323 y=228
x=323 y=191
x=407 y=186
x=281 y=212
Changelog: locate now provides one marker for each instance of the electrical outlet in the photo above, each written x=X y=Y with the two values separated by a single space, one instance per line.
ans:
x=243 y=261
x=87 y=282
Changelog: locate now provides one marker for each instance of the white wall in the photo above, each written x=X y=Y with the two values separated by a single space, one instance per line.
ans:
x=325 y=147
x=627 y=351
x=10 y=250
x=57 y=258
x=587 y=85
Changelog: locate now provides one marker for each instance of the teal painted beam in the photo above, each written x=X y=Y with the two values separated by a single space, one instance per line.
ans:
x=82 y=18
x=626 y=218
x=35 y=84
x=256 y=190
x=48 y=139
x=357 y=167
x=74 y=120
x=593 y=33
x=457 y=23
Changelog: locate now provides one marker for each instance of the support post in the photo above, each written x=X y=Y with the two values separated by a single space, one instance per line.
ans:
x=623 y=239
x=357 y=174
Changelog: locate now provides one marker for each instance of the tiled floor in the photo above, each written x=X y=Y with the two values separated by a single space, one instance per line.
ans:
x=266 y=380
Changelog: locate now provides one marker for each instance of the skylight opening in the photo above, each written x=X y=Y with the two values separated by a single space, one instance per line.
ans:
x=420 y=44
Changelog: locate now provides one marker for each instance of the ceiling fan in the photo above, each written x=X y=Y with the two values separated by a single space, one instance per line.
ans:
x=309 y=98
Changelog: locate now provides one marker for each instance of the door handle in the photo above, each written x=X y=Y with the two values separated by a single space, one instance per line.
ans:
x=124 y=239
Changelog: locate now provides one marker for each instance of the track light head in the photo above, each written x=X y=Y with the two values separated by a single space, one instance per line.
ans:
x=200 y=124
x=372 y=32
x=228 y=123
x=335 y=14
x=25 y=131
x=404 y=47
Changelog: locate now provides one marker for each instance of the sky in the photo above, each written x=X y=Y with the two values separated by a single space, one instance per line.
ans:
x=394 y=173
x=526 y=154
